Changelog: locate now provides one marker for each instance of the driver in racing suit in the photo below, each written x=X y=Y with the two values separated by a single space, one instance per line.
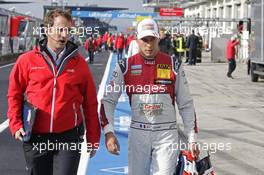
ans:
x=153 y=81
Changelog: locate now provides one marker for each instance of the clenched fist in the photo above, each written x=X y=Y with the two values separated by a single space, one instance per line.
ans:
x=111 y=143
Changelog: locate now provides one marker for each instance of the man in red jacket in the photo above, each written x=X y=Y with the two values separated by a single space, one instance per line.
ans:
x=56 y=80
x=90 y=46
x=99 y=43
x=105 y=39
x=231 y=54
x=128 y=41
x=119 y=45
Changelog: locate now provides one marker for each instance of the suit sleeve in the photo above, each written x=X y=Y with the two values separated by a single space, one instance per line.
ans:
x=110 y=99
x=90 y=105
x=18 y=81
x=185 y=105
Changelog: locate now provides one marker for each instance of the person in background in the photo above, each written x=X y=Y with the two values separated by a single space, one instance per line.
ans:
x=110 y=41
x=192 y=44
x=133 y=48
x=55 y=79
x=200 y=46
x=128 y=41
x=99 y=42
x=119 y=45
x=180 y=46
x=90 y=48
x=231 y=54
x=95 y=43
x=165 y=42
x=105 y=40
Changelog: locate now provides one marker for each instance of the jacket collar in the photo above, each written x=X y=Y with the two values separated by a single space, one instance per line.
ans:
x=70 y=49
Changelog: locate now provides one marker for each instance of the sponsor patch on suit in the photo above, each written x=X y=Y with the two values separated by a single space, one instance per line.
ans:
x=150 y=62
x=136 y=66
x=136 y=72
x=151 y=109
x=163 y=71
x=165 y=82
x=136 y=69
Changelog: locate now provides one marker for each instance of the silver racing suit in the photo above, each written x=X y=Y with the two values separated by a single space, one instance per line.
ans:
x=153 y=87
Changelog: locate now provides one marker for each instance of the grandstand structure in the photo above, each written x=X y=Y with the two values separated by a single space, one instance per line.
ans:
x=165 y=3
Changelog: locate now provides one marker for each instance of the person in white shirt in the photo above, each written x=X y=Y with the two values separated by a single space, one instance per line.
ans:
x=133 y=48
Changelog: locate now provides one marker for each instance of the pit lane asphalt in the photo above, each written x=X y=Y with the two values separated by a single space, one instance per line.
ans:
x=229 y=111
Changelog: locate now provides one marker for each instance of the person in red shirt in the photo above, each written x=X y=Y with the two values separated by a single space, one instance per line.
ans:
x=90 y=46
x=119 y=45
x=128 y=41
x=110 y=41
x=99 y=41
x=231 y=54
x=105 y=40
x=95 y=43
x=55 y=79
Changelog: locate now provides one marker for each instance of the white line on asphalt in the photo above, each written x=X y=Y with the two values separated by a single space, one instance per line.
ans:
x=87 y=59
x=11 y=64
x=103 y=82
x=4 y=125
x=84 y=160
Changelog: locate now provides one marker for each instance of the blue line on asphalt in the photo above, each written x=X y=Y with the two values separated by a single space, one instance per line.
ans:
x=105 y=163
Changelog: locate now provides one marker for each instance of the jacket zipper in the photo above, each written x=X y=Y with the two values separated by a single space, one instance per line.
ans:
x=75 y=114
x=54 y=89
x=53 y=103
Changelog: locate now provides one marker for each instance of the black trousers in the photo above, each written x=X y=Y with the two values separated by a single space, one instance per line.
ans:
x=91 y=56
x=231 y=66
x=119 y=54
x=106 y=46
x=53 y=154
x=192 y=56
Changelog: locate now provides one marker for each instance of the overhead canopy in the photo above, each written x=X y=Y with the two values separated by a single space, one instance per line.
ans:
x=127 y=15
x=13 y=2
x=84 y=8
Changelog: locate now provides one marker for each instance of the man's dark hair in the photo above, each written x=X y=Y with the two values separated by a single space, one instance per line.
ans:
x=51 y=15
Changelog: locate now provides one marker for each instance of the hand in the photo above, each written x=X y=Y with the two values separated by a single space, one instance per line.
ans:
x=111 y=143
x=92 y=153
x=194 y=148
x=19 y=134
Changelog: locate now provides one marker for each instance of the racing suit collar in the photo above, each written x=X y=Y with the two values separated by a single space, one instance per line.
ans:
x=149 y=61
